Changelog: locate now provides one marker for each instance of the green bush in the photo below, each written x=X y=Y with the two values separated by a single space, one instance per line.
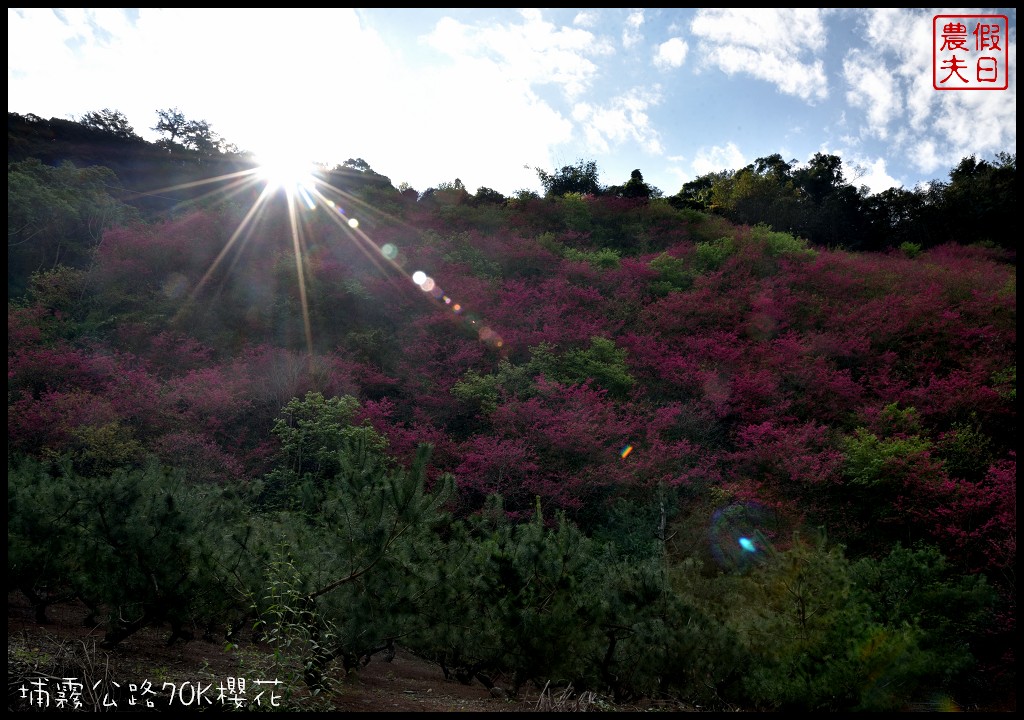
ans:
x=674 y=274
x=815 y=642
x=712 y=255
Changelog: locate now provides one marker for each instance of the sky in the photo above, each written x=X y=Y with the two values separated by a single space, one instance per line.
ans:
x=488 y=95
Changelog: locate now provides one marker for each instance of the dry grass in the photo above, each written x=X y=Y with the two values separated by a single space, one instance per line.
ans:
x=568 y=700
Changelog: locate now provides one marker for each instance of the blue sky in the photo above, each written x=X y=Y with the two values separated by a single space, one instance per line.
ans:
x=426 y=96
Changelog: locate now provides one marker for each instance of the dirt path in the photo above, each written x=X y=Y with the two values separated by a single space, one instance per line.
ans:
x=39 y=656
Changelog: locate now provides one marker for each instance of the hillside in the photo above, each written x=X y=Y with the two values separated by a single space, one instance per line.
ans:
x=606 y=439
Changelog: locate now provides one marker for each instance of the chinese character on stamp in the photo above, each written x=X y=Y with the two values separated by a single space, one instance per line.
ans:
x=970 y=52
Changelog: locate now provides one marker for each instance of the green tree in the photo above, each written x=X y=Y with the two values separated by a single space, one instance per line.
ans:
x=513 y=600
x=635 y=188
x=43 y=529
x=355 y=175
x=357 y=164
x=814 y=644
x=171 y=122
x=580 y=178
x=674 y=274
x=139 y=545
x=763 y=192
x=57 y=216
x=345 y=549
x=822 y=175
x=979 y=202
x=198 y=136
x=698 y=194
x=109 y=121
x=889 y=476
x=487 y=196
x=655 y=639
x=194 y=135
x=898 y=216
x=832 y=206
x=602 y=363
x=917 y=588
x=448 y=194
x=311 y=430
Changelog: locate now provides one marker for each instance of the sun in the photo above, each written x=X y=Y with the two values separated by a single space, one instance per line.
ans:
x=306 y=188
x=284 y=171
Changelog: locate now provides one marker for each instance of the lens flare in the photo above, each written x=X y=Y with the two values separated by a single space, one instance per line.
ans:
x=304 y=194
x=625 y=451
x=306 y=187
x=734 y=536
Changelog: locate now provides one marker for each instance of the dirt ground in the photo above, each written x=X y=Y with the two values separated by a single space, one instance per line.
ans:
x=41 y=656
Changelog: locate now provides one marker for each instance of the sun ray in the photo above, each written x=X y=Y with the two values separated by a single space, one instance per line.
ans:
x=303 y=192
x=376 y=254
x=252 y=213
x=239 y=175
x=301 y=275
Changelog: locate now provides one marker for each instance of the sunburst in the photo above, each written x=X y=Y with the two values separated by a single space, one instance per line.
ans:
x=303 y=188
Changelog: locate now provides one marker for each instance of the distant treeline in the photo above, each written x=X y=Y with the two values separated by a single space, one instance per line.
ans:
x=817 y=202
x=813 y=200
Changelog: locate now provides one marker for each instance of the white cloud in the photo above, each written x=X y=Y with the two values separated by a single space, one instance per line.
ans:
x=631 y=34
x=715 y=158
x=534 y=51
x=50 y=50
x=319 y=81
x=620 y=120
x=970 y=123
x=896 y=54
x=671 y=53
x=585 y=18
x=278 y=76
x=872 y=88
x=924 y=156
x=677 y=173
x=935 y=129
x=775 y=45
x=873 y=173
